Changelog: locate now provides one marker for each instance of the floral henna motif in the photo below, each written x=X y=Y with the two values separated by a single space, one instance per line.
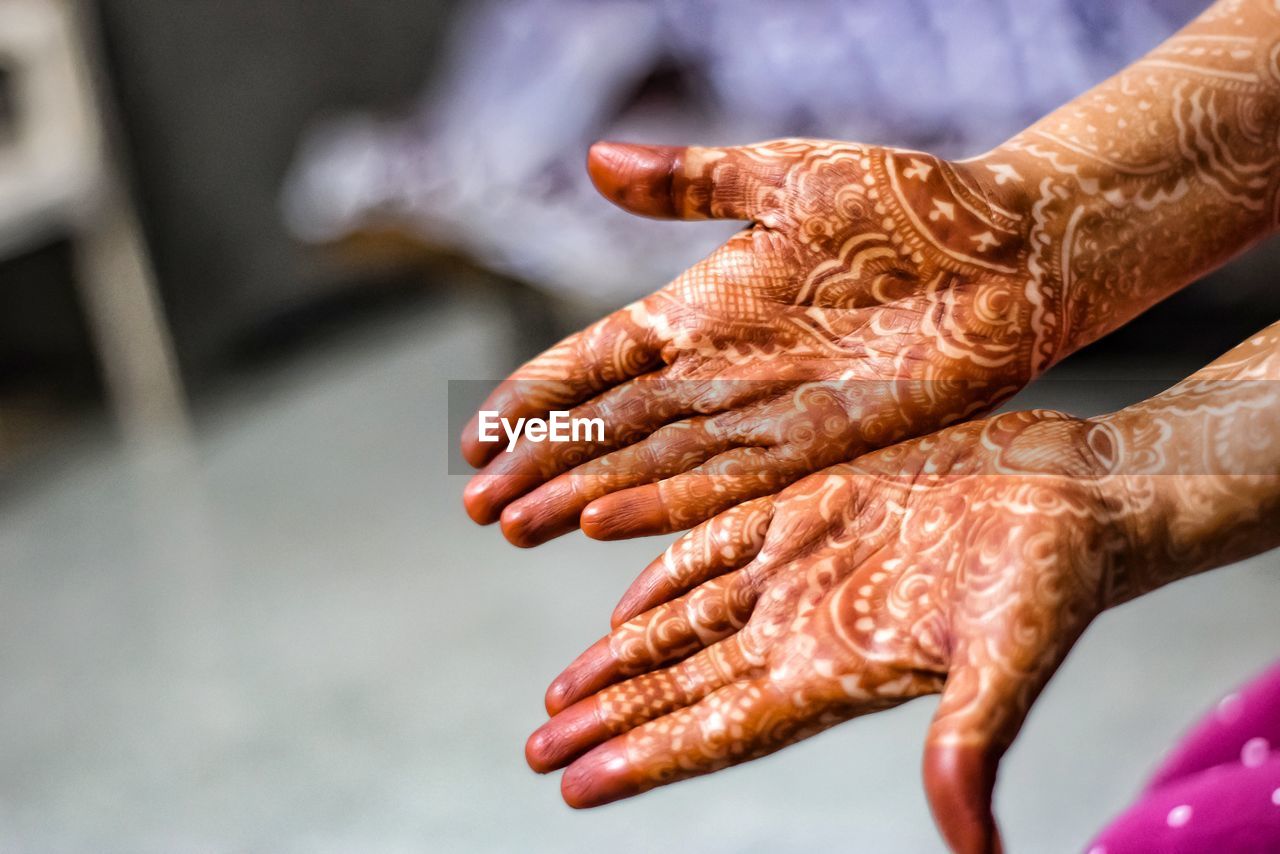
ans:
x=880 y=294
x=855 y=312
x=1158 y=175
x=967 y=563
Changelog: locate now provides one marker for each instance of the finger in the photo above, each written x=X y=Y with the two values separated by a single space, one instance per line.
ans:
x=691 y=183
x=610 y=351
x=959 y=782
x=725 y=542
x=983 y=706
x=555 y=508
x=739 y=722
x=623 y=707
x=620 y=416
x=684 y=500
x=668 y=633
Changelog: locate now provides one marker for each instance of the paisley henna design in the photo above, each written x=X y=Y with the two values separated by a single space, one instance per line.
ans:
x=966 y=562
x=880 y=294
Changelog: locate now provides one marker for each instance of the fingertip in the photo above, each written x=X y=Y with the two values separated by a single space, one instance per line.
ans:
x=476 y=453
x=477 y=500
x=575 y=787
x=595 y=668
x=528 y=524
x=566 y=736
x=547 y=749
x=557 y=696
x=959 y=780
x=495 y=488
x=593 y=517
x=633 y=513
x=520 y=526
x=601 y=777
x=538 y=750
x=638 y=178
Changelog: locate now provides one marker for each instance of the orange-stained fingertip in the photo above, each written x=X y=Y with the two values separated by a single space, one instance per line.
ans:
x=594 y=669
x=524 y=525
x=547 y=511
x=476 y=453
x=637 y=178
x=478 y=501
x=635 y=512
x=565 y=737
x=959 y=780
x=602 y=776
x=519 y=527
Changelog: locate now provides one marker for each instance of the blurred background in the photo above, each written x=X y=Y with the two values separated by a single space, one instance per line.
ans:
x=244 y=246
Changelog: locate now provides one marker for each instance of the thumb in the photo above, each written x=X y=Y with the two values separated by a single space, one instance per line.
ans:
x=691 y=182
x=982 y=709
x=959 y=780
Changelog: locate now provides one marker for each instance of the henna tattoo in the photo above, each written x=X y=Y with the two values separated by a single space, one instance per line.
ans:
x=967 y=562
x=881 y=294
x=856 y=312
x=1159 y=174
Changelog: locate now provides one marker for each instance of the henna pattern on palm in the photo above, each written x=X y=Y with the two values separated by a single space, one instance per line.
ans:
x=966 y=563
x=880 y=294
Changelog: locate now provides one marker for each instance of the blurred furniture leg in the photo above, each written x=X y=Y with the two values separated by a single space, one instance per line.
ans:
x=128 y=323
x=59 y=176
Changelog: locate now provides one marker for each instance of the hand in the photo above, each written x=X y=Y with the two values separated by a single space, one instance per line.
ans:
x=881 y=294
x=877 y=294
x=966 y=563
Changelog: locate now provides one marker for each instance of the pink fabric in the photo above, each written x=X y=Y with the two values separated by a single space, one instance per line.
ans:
x=1219 y=790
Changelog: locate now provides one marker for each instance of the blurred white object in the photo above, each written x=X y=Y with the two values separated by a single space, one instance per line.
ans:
x=491 y=164
x=48 y=158
x=57 y=177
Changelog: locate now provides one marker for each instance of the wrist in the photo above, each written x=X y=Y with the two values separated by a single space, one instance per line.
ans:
x=1006 y=177
x=1190 y=478
x=1140 y=508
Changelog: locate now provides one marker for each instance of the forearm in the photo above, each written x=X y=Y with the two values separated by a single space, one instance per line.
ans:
x=1197 y=468
x=1152 y=178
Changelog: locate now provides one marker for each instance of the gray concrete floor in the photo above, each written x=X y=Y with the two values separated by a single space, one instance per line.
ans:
x=290 y=639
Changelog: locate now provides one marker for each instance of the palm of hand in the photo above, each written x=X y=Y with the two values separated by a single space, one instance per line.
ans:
x=878 y=295
x=967 y=562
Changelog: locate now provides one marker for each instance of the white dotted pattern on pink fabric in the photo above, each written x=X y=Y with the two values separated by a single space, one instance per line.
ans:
x=1229 y=708
x=1179 y=815
x=1254 y=752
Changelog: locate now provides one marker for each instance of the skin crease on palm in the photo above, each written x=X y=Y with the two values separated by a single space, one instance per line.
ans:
x=964 y=563
x=880 y=294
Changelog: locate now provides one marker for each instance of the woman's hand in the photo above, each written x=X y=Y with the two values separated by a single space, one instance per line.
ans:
x=878 y=294
x=966 y=563
x=881 y=294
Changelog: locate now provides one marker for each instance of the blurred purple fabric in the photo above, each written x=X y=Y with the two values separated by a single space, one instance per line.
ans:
x=490 y=163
